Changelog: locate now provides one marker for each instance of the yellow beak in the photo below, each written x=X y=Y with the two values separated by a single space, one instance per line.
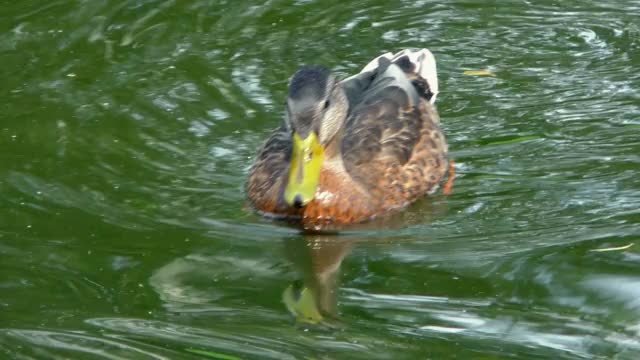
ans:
x=302 y=304
x=304 y=173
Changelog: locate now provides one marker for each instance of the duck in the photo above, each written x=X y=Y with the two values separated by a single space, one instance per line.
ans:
x=348 y=151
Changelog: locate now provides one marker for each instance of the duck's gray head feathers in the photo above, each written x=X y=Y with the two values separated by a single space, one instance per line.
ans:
x=316 y=102
x=309 y=81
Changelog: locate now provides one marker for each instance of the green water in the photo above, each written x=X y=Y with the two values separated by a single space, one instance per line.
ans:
x=126 y=133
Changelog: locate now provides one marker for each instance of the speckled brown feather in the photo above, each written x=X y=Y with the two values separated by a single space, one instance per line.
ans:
x=392 y=152
x=268 y=175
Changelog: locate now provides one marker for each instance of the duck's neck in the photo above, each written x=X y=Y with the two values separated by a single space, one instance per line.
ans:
x=333 y=152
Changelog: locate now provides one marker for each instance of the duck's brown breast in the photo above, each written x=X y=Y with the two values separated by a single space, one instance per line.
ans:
x=338 y=201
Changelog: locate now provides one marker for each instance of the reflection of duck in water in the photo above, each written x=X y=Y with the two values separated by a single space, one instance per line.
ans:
x=354 y=149
x=313 y=299
x=317 y=258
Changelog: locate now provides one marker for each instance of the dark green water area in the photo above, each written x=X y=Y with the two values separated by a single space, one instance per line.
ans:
x=127 y=129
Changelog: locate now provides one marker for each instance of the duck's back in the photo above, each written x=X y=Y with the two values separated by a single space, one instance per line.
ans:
x=392 y=143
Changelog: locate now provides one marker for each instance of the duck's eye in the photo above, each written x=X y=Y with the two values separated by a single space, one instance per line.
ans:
x=326 y=104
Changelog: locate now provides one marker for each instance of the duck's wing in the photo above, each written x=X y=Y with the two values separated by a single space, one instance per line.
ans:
x=269 y=171
x=392 y=137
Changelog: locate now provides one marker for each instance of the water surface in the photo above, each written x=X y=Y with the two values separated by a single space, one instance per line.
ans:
x=128 y=128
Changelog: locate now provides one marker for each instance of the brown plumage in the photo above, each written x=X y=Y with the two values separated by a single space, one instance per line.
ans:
x=383 y=146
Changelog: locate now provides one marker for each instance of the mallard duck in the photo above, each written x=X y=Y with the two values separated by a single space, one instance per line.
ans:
x=348 y=151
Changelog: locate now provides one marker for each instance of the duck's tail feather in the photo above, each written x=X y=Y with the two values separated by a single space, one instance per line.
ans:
x=373 y=64
x=418 y=65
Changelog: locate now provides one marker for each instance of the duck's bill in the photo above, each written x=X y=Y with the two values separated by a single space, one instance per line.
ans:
x=304 y=173
x=301 y=303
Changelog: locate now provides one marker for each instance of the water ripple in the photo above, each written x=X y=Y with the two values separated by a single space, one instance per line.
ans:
x=130 y=127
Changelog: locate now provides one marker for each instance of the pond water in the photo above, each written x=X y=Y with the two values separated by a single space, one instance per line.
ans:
x=128 y=127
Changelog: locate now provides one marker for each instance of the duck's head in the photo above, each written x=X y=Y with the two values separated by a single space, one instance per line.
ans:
x=316 y=110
